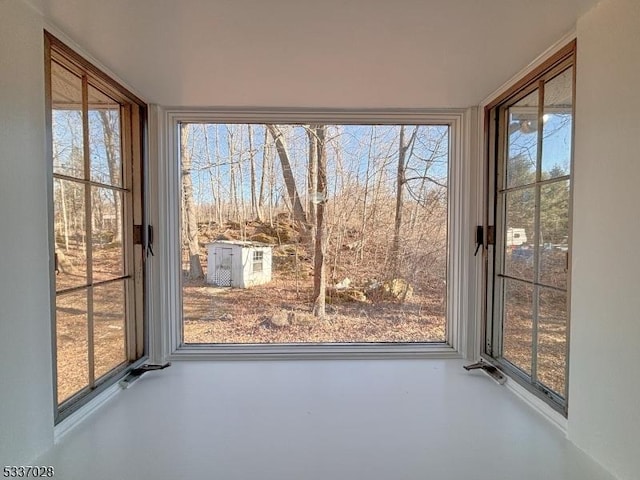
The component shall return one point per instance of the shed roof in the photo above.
(241, 243)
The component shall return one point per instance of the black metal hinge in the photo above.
(140, 239)
(480, 240)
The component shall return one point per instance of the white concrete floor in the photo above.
(308, 420)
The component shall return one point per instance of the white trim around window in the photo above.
(462, 337)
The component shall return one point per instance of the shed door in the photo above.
(223, 267)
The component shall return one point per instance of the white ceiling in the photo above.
(314, 53)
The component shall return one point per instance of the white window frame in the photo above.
(259, 261)
(461, 340)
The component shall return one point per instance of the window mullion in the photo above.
(90, 183)
(88, 228)
(536, 227)
(499, 252)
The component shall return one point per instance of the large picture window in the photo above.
(353, 220)
(95, 134)
(364, 206)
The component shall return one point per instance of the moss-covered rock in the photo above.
(263, 238)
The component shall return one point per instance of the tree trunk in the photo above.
(65, 217)
(263, 173)
(312, 186)
(218, 181)
(272, 187)
(289, 180)
(400, 182)
(252, 167)
(190, 219)
(319, 276)
(112, 147)
(241, 205)
(313, 174)
(212, 180)
(365, 197)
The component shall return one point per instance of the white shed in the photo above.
(235, 263)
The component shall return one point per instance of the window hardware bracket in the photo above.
(490, 370)
(479, 238)
(136, 373)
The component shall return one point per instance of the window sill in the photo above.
(77, 417)
(539, 405)
(315, 351)
(95, 400)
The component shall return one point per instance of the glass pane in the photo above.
(66, 117)
(552, 339)
(70, 233)
(104, 138)
(72, 343)
(519, 233)
(518, 324)
(237, 229)
(557, 123)
(108, 251)
(109, 335)
(554, 231)
(522, 151)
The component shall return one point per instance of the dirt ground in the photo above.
(279, 312)
(226, 315)
(72, 330)
(552, 330)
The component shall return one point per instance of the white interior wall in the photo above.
(26, 412)
(604, 396)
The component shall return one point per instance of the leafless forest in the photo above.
(357, 219)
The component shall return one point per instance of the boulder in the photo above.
(345, 295)
(279, 320)
(263, 238)
(398, 289)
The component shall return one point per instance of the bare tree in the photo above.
(111, 136)
(235, 211)
(319, 276)
(65, 216)
(252, 167)
(400, 182)
(312, 178)
(365, 196)
(241, 210)
(214, 179)
(287, 173)
(190, 217)
(263, 173)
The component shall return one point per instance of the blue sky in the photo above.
(350, 148)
